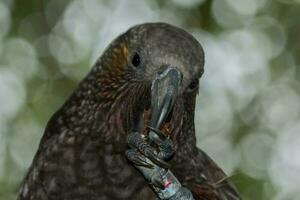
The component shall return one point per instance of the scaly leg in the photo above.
(162, 180)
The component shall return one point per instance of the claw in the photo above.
(138, 159)
(136, 141)
(155, 159)
(165, 145)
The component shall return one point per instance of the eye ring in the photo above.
(136, 60)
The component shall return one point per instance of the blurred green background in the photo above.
(248, 109)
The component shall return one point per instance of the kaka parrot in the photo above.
(127, 131)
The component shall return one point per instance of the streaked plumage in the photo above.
(82, 153)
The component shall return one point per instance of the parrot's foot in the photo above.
(148, 168)
(155, 170)
(165, 145)
(138, 143)
(137, 158)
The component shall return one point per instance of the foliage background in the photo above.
(248, 109)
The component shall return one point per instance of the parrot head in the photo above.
(152, 68)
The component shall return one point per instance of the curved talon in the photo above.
(137, 159)
(136, 141)
(156, 160)
(165, 145)
(160, 135)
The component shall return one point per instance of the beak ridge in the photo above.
(164, 91)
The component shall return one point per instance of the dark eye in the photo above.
(136, 60)
(194, 84)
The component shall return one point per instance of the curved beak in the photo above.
(164, 91)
